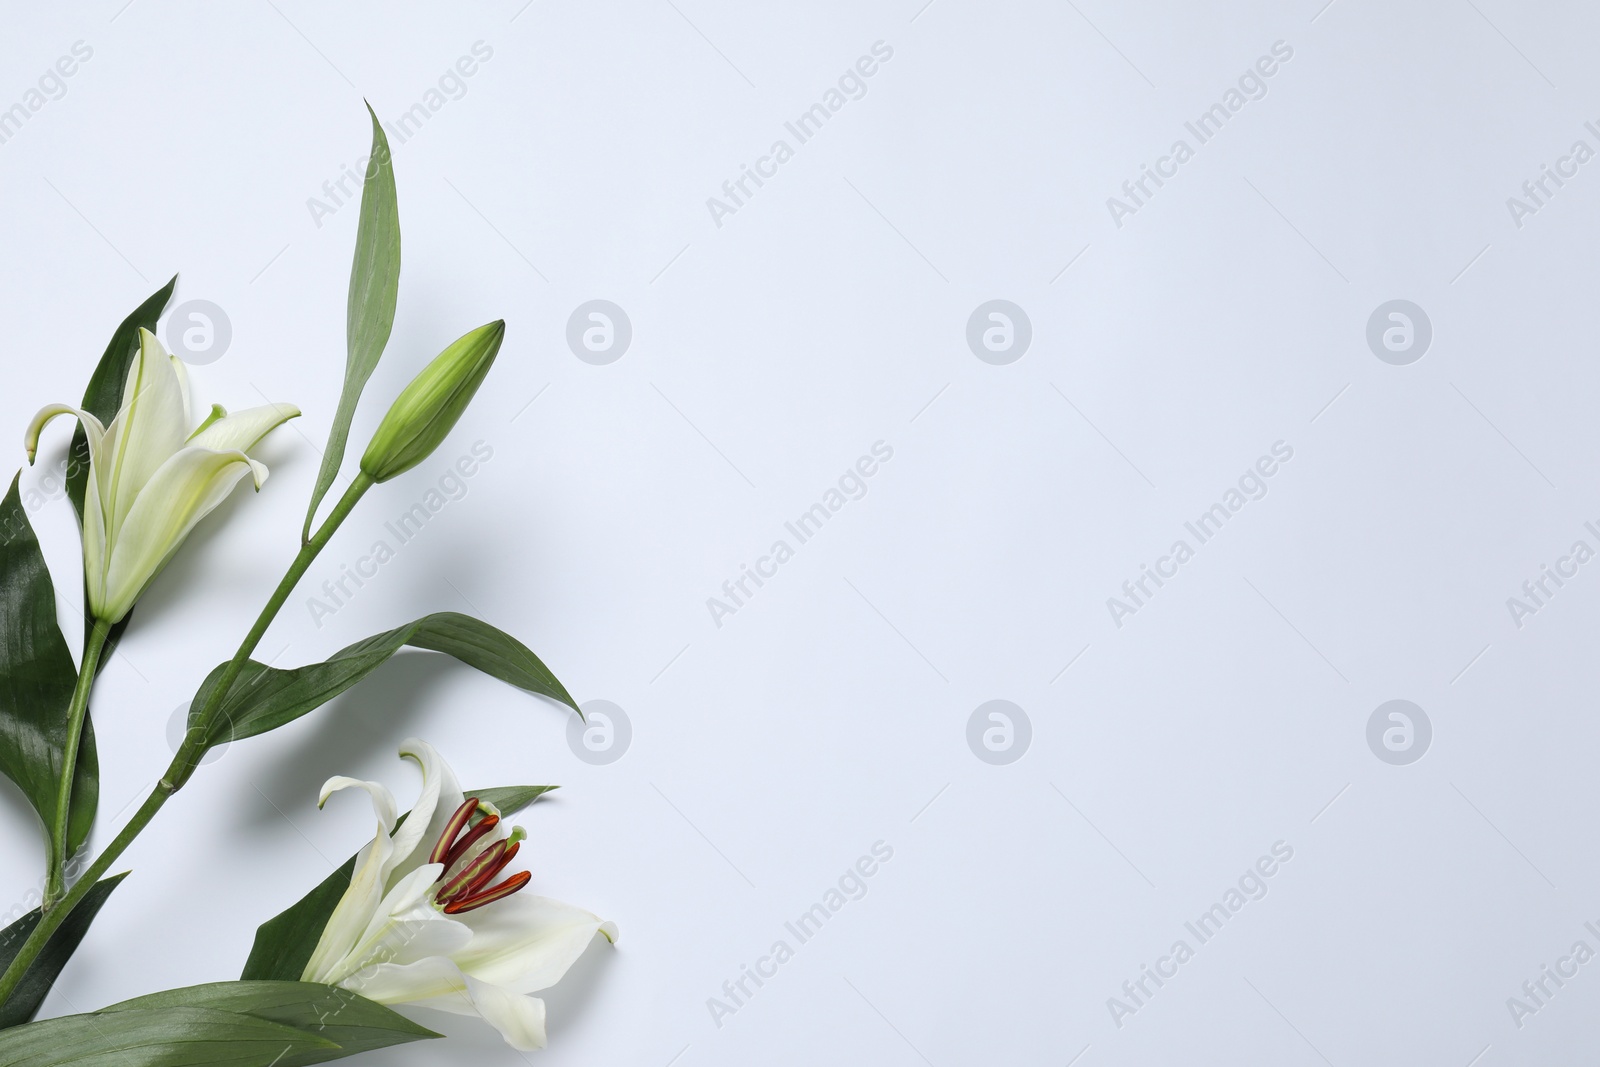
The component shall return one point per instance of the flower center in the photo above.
(471, 887)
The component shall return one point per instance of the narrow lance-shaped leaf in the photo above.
(223, 1024)
(352, 1022)
(265, 698)
(42, 973)
(284, 943)
(369, 315)
(102, 399)
(37, 677)
(161, 1037)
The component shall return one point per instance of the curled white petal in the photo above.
(243, 429)
(438, 801)
(383, 805)
(92, 429)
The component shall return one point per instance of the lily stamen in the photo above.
(468, 839)
(479, 872)
(457, 823)
(489, 896)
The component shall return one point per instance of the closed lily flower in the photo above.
(152, 477)
(432, 919)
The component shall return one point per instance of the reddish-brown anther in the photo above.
(457, 823)
(492, 873)
(489, 896)
(470, 838)
(486, 862)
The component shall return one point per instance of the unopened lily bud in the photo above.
(427, 410)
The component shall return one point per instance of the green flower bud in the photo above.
(427, 410)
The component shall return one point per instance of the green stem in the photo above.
(195, 743)
(93, 645)
(189, 753)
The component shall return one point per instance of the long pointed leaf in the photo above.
(352, 1022)
(265, 698)
(46, 967)
(369, 316)
(37, 677)
(160, 1037)
(284, 943)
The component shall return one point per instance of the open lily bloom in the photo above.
(429, 920)
(150, 478)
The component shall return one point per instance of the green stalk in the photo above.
(93, 645)
(201, 728)
(189, 753)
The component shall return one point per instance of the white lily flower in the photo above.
(150, 478)
(425, 923)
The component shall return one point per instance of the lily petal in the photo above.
(440, 797)
(94, 527)
(526, 943)
(182, 371)
(92, 428)
(243, 430)
(383, 805)
(406, 927)
(355, 909)
(520, 1019)
(182, 492)
(437, 983)
(148, 429)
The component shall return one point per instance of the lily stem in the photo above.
(189, 753)
(94, 644)
(199, 736)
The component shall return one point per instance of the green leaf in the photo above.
(265, 698)
(284, 943)
(352, 1022)
(223, 1024)
(369, 315)
(37, 677)
(508, 800)
(161, 1037)
(42, 973)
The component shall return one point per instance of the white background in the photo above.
(829, 313)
